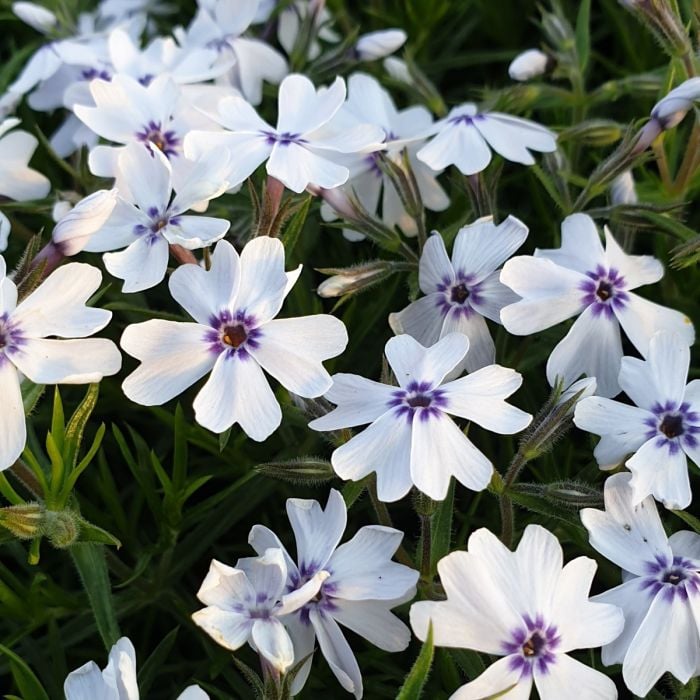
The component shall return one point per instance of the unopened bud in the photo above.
(61, 527)
(376, 45)
(24, 521)
(305, 470)
(72, 233)
(569, 494)
(398, 69)
(622, 189)
(594, 132)
(351, 280)
(35, 16)
(671, 110)
(529, 64)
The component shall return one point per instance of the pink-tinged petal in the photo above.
(422, 319)
(337, 652)
(13, 428)
(373, 620)
(626, 534)
(237, 392)
(435, 268)
(668, 360)
(460, 145)
(602, 416)
(637, 270)
(581, 248)
(174, 356)
(641, 318)
(296, 167)
(141, 265)
(479, 397)
(661, 472)
(580, 623)
(317, 531)
(482, 351)
(482, 246)
(193, 232)
(539, 551)
(297, 366)
(363, 570)
(87, 682)
(203, 293)
(592, 347)
(412, 362)
(502, 680)
(439, 450)
(149, 177)
(263, 280)
(229, 629)
(567, 677)
(384, 447)
(273, 643)
(551, 294)
(303, 109)
(667, 640)
(50, 361)
(359, 401)
(57, 306)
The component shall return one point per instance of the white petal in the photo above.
(193, 232)
(119, 230)
(203, 293)
(482, 351)
(229, 629)
(439, 450)
(57, 306)
(296, 167)
(297, 366)
(551, 294)
(435, 267)
(193, 692)
(511, 137)
(539, 558)
(302, 108)
(580, 623)
(482, 246)
(384, 447)
(363, 138)
(661, 473)
(500, 680)
(224, 587)
(581, 247)
(602, 416)
(636, 381)
(460, 145)
(362, 568)
(592, 347)
(337, 652)
(629, 535)
(237, 392)
(299, 597)
(273, 642)
(492, 296)
(317, 531)
(479, 397)
(373, 620)
(359, 401)
(411, 362)
(89, 215)
(669, 359)
(422, 319)
(18, 181)
(256, 61)
(641, 318)
(49, 361)
(13, 429)
(261, 538)
(121, 669)
(667, 640)
(569, 678)
(174, 356)
(304, 639)
(148, 174)
(267, 575)
(142, 265)
(637, 270)
(685, 543)
(86, 683)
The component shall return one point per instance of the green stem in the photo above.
(690, 161)
(384, 518)
(426, 527)
(506, 504)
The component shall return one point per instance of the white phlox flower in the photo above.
(156, 115)
(300, 150)
(362, 584)
(44, 338)
(148, 218)
(117, 681)
(247, 603)
(662, 429)
(462, 292)
(594, 283)
(412, 440)
(235, 336)
(220, 26)
(526, 607)
(466, 137)
(293, 16)
(376, 45)
(17, 180)
(528, 64)
(368, 102)
(660, 593)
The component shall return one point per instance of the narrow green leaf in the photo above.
(89, 559)
(583, 34)
(544, 506)
(180, 449)
(58, 421)
(412, 687)
(92, 533)
(153, 665)
(24, 677)
(224, 438)
(293, 230)
(85, 461)
(352, 491)
(76, 425)
(688, 519)
(441, 534)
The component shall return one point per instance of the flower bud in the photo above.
(35, 16)
(61, 527)
(306, 470)
(622, 189)
(528, 64)
(24, 521)
(354, 279)
(670, 110)
(376, 45)
(72, 233)
(398, 69)
(4, 231)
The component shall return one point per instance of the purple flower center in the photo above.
(283, 139)
(92, 73)
(459, 295)
(165, 140)
(233, 333)
(533, 643)
(673, 426)
(604, 290)
(676, 578)
(465, 119)
(418, 398)
(11, 337)
(234, 336)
